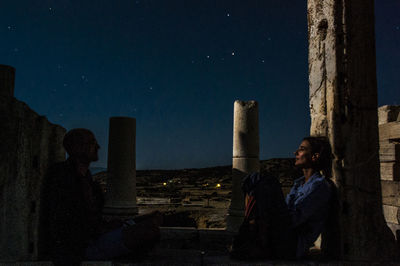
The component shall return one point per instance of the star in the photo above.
(228, 15)
(398, 28)
(16, 49)
(262, 60)
(208, 56)
(233, 53)
(151, 88)
(65, 84)
(50, 9)
(9, 27)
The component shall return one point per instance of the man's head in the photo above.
(81, 144)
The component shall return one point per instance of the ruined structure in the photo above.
(389, 156)
(121, 182)
(343, 105)
(29, 144)
(245, 156)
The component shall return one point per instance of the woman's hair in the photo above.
(321, 145)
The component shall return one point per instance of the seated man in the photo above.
(279, 228)
(72, 211)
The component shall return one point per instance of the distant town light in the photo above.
(164, 184)
(218, 186)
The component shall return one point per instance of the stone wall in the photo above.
(29, 144)
(389, 155)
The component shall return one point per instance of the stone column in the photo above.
(7, 77)
(245, 156)
(343, 106)
(121, 180)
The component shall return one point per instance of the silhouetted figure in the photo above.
(72, 211)
(276, 228)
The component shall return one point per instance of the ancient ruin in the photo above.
(245, 156)
(121, 182)
(29, 145)
(343, 106)
(389, 156)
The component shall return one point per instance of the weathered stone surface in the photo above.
(390, 192)
(7, 80)
(391, 214)
(245, 130)
(121, 183)
(388, 113)
(245, 156)
(29, 145)
(389, 131)
(389, 152)
(390, 171)
(343, 107)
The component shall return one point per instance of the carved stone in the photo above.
(343, 107)
(29, 145)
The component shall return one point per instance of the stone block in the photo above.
(390, 171)
(389, 131)
(388, 113)
(389, 151)
(29, 145)
(390, 192)
(391, 214)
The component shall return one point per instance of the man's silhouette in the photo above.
(72, 211)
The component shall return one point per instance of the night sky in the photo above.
(177, 67)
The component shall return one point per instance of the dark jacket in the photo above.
(71, 213)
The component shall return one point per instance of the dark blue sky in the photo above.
(177, 67)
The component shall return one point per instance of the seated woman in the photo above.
(275, 228)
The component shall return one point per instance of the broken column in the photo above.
(343, 106)
(121, 180)
(7, 77)
(245, 156)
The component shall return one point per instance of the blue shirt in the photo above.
(308, 204)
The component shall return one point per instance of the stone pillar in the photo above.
(121, 181)
(7, 77)
(245, 156)
(343, 106)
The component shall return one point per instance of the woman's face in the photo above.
(304, 156)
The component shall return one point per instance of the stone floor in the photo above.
(191, 246)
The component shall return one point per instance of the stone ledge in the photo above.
(390, 171)
(389, 131)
